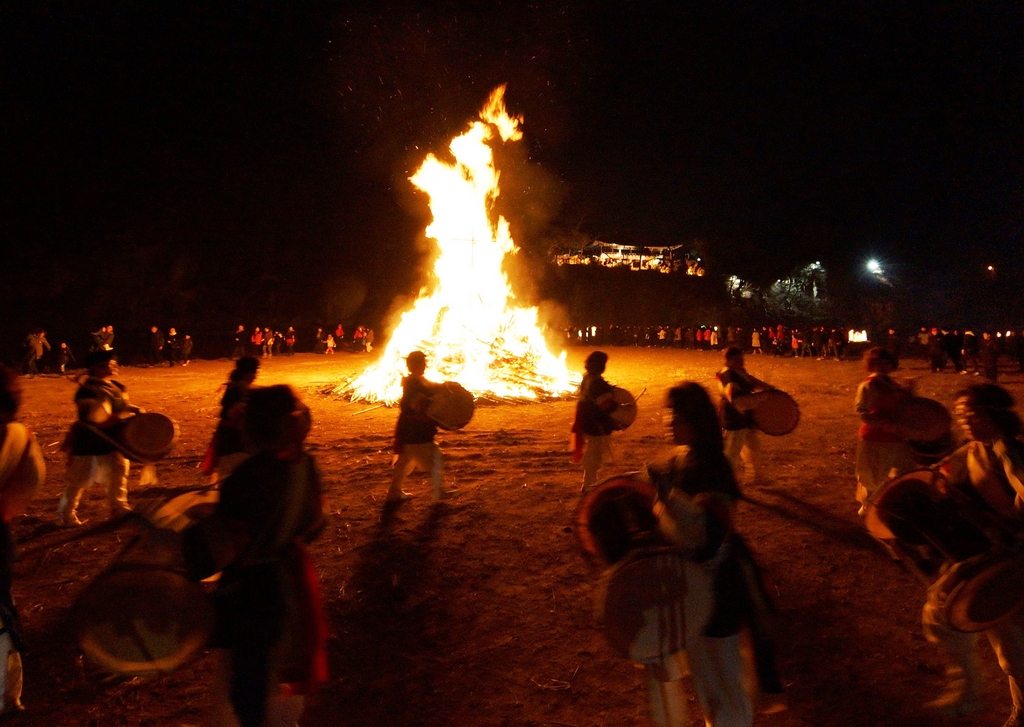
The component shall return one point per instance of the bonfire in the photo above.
(466, 319)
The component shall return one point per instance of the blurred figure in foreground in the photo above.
(990, 467)
(269, 612)
(22, 471)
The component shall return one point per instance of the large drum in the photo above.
(649, 597)
(924, 420)
(615, 516)
(937, 530)
(142, 616)
(979, 592)
(186, 509)
(777, 413)
(451, 406)
(642, 604)
(624, 414)
(147, 437)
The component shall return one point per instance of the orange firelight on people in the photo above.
(467, 319)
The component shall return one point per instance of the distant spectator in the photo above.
(156, 346)
(173, 347)
(37, 346)
(65, 358)
(238, 343)
(186, 350)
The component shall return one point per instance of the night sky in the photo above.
(217, 149)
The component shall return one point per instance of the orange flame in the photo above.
(469, 325)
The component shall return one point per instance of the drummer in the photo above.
(882, 450)
(737, 386)
(228, 450)
(22, 471)
(697, 494)
(991, 464)
(414, 433)
(103, 407)
(592, 426)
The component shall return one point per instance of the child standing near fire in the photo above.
(414, 434)
(593, 426)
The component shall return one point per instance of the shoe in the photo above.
(395, 499)
(68, 520)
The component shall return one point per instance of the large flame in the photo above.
(467, 321)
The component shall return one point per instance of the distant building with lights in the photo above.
(662, 259)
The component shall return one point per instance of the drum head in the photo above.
(625, 413)
(451, 406)
(142, 620)
(181, 511)
(615, 516)
(907, 509)
(924, 420)
(982, 591)
(148, 437)
(777, 414)
(644, 605)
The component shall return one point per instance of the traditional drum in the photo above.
(909, 510)
(147, 437)
(615, 516)
(142, 616)
(451, 406)
(976, 593)
(642, 604)
(624, 414)
(179, 512)
(924, 420)
(777, 413)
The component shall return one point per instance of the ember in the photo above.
(467, 320)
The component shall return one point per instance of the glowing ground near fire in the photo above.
(478, 612)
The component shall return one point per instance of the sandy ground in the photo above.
(478, 610)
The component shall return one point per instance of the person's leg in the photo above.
(113, 469)
(1007, 639)
(436, 468)
(79, 475)
(593, 458)
(961, 695)
(719, 680)
(734, 440)
(404, 464)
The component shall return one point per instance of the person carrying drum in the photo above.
(228, 448)
(102, 405)
(990, 466)
(697, 493)
(593, 425)
(882, 450)
(414, 433)
(22, 471)
(269, 624)
(742, 445)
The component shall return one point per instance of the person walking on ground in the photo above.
(156, 346)
(742, 446)
(102, 405)
(882, 449)
(592, 426)
(414, 433)
(37, 346)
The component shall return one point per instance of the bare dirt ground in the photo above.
(478, 610)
